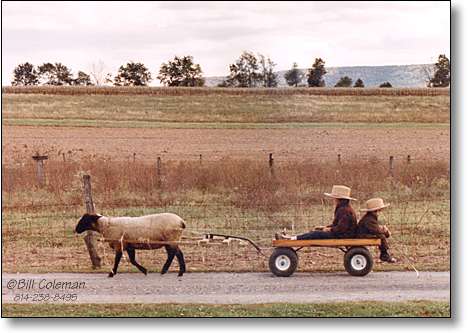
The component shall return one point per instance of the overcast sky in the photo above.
(215, 33)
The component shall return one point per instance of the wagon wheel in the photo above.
(358, 261)
(283, 261)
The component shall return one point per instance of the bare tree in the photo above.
(98, 73)
(428, 72)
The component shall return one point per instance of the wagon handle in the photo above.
(210, 236)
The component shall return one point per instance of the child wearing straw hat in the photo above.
(369, 226)
(344, 223)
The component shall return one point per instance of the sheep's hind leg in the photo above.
(171, 252)
(181, 260)
(131, 256)
(118, 256)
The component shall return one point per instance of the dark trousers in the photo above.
(383, 247)
(318, 234)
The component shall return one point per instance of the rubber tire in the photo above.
(358, 251)
(286, 251)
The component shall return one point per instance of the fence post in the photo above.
(270, 163)
(40, 168)
(90, 238)
(10, 183)
(134, 157)
(408, 159)
(339, 159)
(390, 166)
(201, 159)
(158, 171)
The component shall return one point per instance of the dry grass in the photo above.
(44, 242)
(344, 309)
(244, 183)
(184, 91)
(246, 108)
(229, 196)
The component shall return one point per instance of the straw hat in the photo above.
(374, 204)
(340, 192)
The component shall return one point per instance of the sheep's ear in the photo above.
(84, 223)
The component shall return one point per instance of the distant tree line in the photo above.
(55, 74)
(248, 71)
(251, 71)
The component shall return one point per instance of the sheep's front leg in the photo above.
(131, 256)
(118, 256)
(171, 252)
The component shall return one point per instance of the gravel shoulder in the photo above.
(232, 288)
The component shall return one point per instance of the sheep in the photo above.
(132, 233)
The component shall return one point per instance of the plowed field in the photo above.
(289, 143)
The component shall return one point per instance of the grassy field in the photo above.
(38, 242)
(349, 309)
(233, 195)
(223, 110)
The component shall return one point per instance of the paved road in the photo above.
(228, 288)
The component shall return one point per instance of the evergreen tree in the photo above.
(442, 73)
(294, 76)
(385, 85)
(344, 82)
(316, 73)
(359, 83)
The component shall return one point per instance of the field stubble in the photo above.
(240, 197)
(223, 109)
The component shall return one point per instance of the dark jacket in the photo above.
(369, 225)
(345, 222)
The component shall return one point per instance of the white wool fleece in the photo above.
(155, 227)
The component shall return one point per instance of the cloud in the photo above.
(215, 33)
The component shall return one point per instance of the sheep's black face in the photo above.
(87, 222)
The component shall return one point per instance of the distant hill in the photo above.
(404, 76)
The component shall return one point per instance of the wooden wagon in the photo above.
(283, 261)
(357, 258)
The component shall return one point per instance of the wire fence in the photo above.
(46, 241)
(152, 183)
(42, 240)
(38, 168)
(43, 201)
(213, 156)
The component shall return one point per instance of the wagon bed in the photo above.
(357, 258)
(327, 242)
